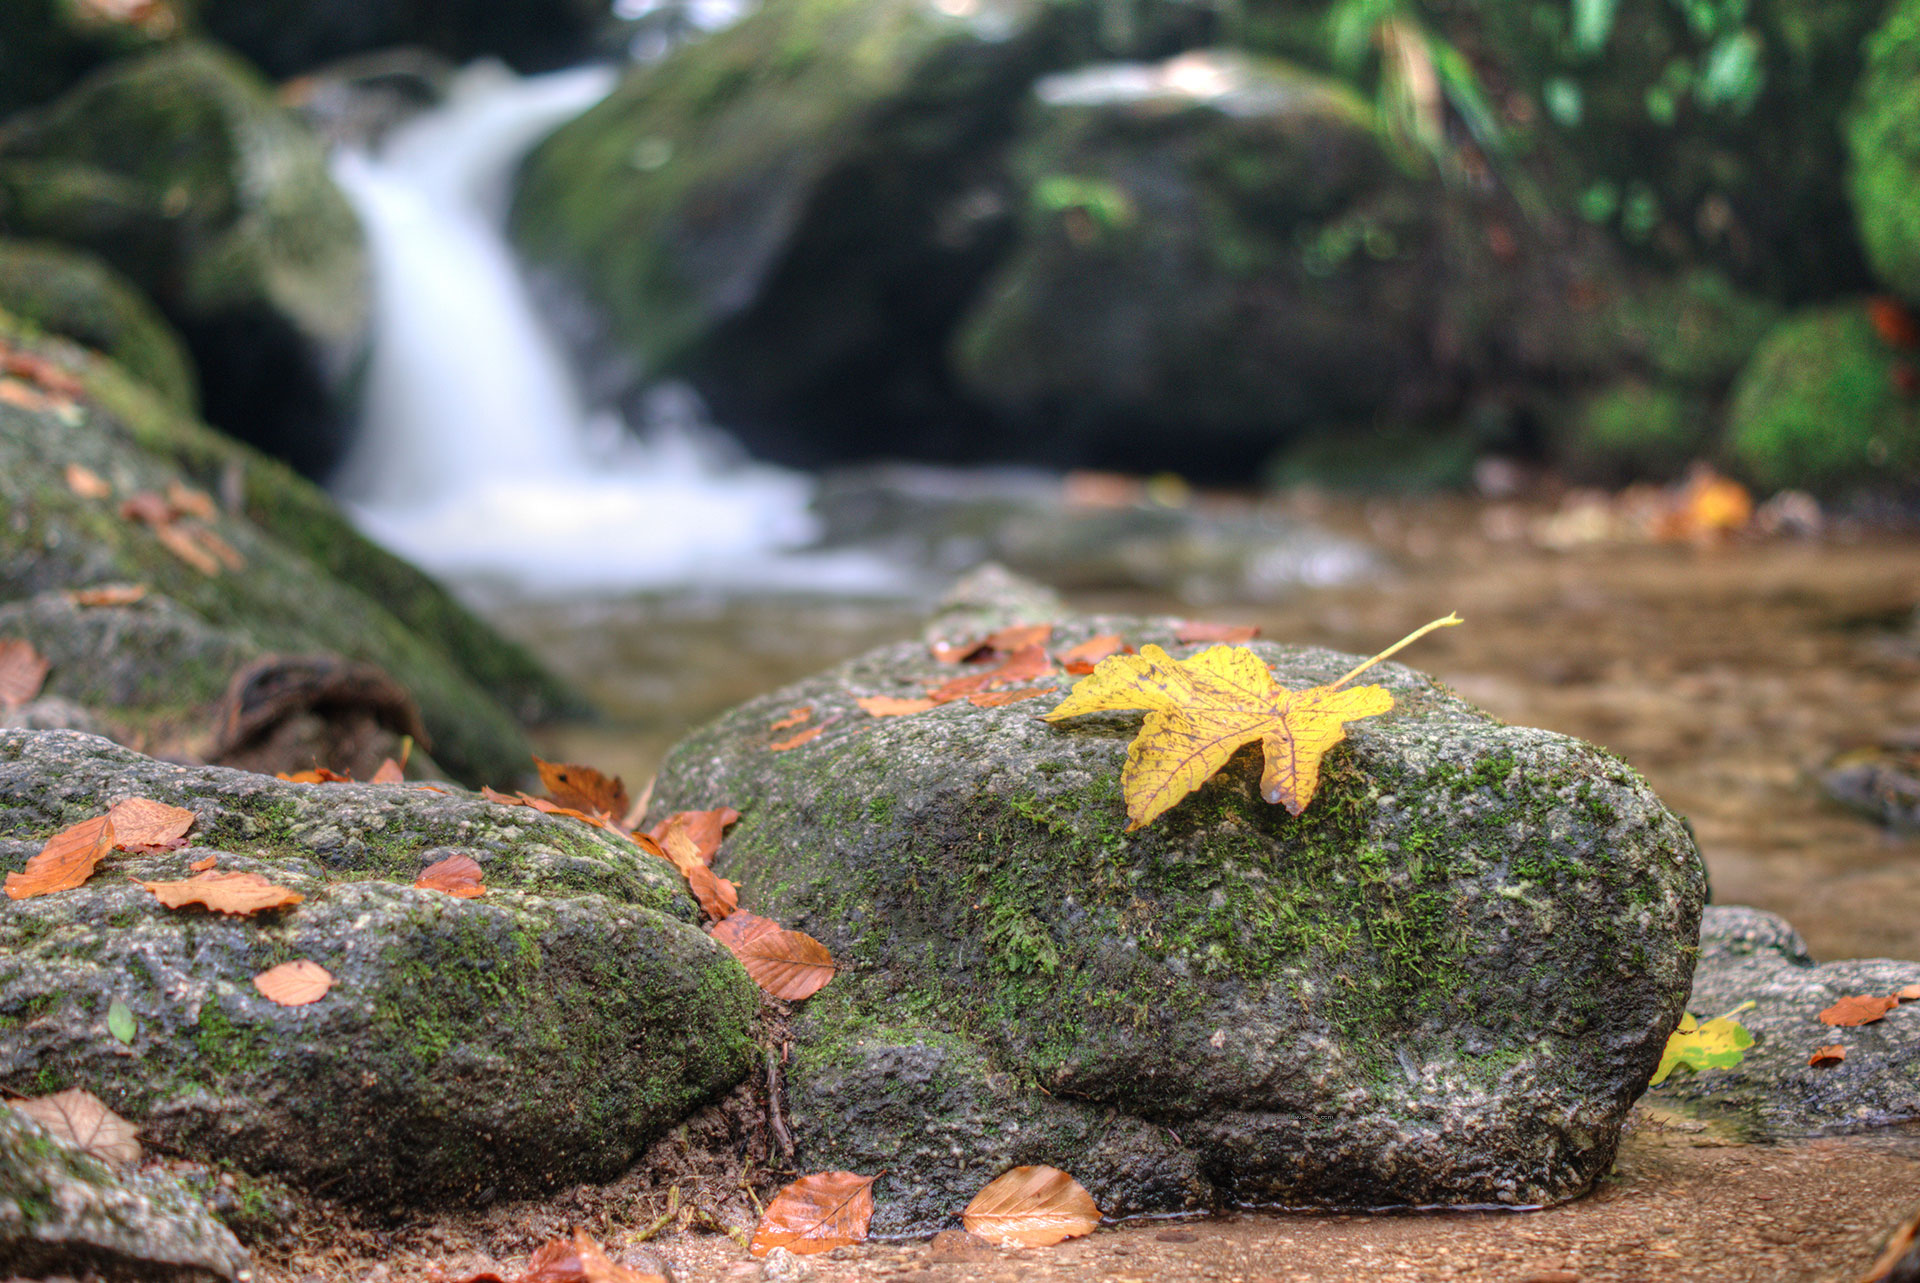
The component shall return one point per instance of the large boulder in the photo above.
(179, 169)
(1444, 983)
(52, 43)
(66, 1212)
(306, 582)
(1883, 140)
(539, 1034)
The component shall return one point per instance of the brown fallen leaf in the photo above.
(1827, 1056)
(718, 897)
(678, 848)
(1707, 505)
(1910, 993)
(140, 823)
(294, 984)
(66, 861)
(1200, 711)
(28, 398)
(1080, 660)
(1858, 1009)
(457, 875)
(998, 699)
(82, 1120)
(389, 772)
(1900, 1255)
(893, 705)
(1022, 666)
(39, 370)
(787, 964)
(740, 927)
(795, 717)
(807, 736)
(994, 645)
(87, 483)
(146, 507)
(547, 806)
(583, 788)
(816, 1213)
(1031, 1207)
(107, 595)
(318, 775)
(706, 828)
(184, 501)
(575, 1260)
(186, 545)
(240, 895)
(22, 671)
(204, 863)
(1199, 630)
(228, 555)
(958, 688)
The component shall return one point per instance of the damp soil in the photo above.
(1726, 673)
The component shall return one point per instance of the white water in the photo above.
(476, 456)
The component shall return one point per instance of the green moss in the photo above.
(227, 1051)
(1883, 142)
(1635, 431)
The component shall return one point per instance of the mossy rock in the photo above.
(70, 292)
(1444, 983)
(51, 44)
(1883, 140)
(1825, 405)
(64, 1212)
(1633, 431)
(538, 1035)
(180, 169)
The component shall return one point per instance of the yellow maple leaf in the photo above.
(1201, 711)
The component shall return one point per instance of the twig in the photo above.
(665, 1218)
(775, 1123)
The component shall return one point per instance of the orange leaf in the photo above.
(1015, 637)
(1707, 505)
(1893, 322)
(817, 1213)
(680, 850)
(108, 595)
(996, 699)
(704, 827)
(718, 897)
(1827, 1056)
(1080, 659)
(457, 875)
(143, 822)
(578, 1261)
(793, 718)
(294, 984)
(547, 806)
(1031, 1207)
(184, 501)
(66, 861)
(1022, 666)
(389, 772)
(22, 671)
(318, 775)
(1858, 1009)
(1197, 630)
(583, 788)
(183, 544)
(25, 397)
(1909, 994)
(494, 795)
(958, 688)
(787, 964)
(87, 483)
(239, 894)
(807, 736)
(204, 863)
(740, 927)
(147, 507)
(893, 705)
(40, 370)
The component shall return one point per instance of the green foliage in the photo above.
(1883, 142)
(1634, 430)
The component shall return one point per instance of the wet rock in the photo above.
(948, 520)
(307, 584)
(1881, 782)
(179, 169)
(1881, 130)
(538, 1035)
(65, 1212)
(288, 37)
(1443, 983)
(1749, 955)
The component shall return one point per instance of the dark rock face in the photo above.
(65, 1212)
(180, 170)
(1748, 955)
(540, 1034)
(1444, 983)
(287, 37)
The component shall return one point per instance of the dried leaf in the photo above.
(1909, 994)
(1828, 1056)
(1200, 711)
(718, 897)
(81, 1119)
(1031, 1207)
(1080, 660)
(239, 894)
(318, 775)
(679, 848)
(638, 811)
(25, 397)
(579, 1260)
(1199, 630)
(583, 788)
(457, 875)
(794, 718)
(893, 705)
(22, 671)
(1007, 641)
(704, 827)
(1023, 666)
(389, 772)
(740, 927)
(66, 861)
(203, 864)
(87, 483)
(999, 699)
(1858, 1009)
(1901, 1253)
(504, 799)
(787, 964)
(1707, 505)
(186, 545)
(38, 369)
(108, 595)
(816, 1213)
(1719, 1044)
(807, 736)
(146, 507)
(294, 984)
(184, 501)
(143, 822)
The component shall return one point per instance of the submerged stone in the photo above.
(540, 1034)
(1444, 983)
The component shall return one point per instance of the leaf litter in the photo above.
(82, 1119)
(816, 1213)
(1031, 1207)
(294, 984)
(23, 671)
(239, 895)
(66, 861)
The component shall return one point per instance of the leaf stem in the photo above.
(1399, 646)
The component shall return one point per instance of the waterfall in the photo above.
(477, 457)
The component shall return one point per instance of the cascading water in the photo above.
(476, 456)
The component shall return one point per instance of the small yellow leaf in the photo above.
(1719, 1044)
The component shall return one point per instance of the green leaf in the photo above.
(1719, 1044)
(1593, 24)
(120, 1021)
